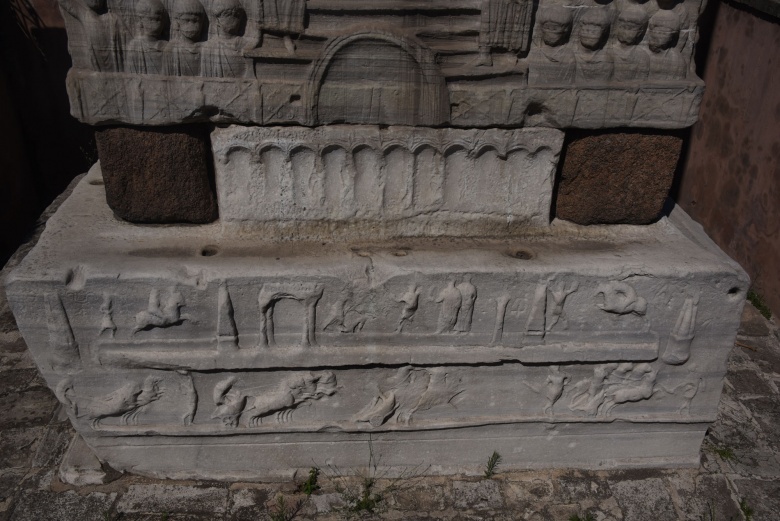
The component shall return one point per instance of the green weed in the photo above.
(758, 302)
(492, 464)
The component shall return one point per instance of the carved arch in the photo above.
(432, 107)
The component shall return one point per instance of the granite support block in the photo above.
(161, 175)
(616, 177)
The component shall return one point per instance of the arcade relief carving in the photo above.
(170, 61)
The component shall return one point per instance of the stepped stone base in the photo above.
(195, 352)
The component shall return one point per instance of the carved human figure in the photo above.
(631, 60)
(666, 62)
(221, 55)
(504, 24)
(451, 300)
(145, 51)
(107, 325)
(285, 17)
(410, 301)
(468, 293)
(593, 59)
(96, 36)
(182, 54)
(553, 60)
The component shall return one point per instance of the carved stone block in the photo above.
(616, 177)
(401, 180)
(471, 63)
(158, 175)
(192, 352)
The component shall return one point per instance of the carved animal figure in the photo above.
(230, 402)
(160, 316)
(638, 384)
(292, 392)
(411, 301)
(620, 298)
(408, 391)
(125, 402)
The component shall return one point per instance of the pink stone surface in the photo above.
(731, 183)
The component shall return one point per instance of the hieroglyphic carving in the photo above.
(504, 24)
(553, 388)
(107, 325)
(227, 333)
(559, 292)
(535, 325)
(620, 298)
(307, 294)
(160, 315)
(409, 390)
(410, 301)
(450, 299)
(62, 344)
(345, 316)
(678, 346)
(233, 404)
(191, 396)
(468, 293)
(498, 328)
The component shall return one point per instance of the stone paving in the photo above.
(739, 475)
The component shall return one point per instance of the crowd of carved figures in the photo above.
(626, 42)
(182, 39)
(620, 40)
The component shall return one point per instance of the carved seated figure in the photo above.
(145, 52)
(182, 54)
(593, 60)
(96, 39)
(221, 55)
(552, 62)
(631, 60)
(666, 62)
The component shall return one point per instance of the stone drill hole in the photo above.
(522, 254)
(97, 182)
(733, 292)
(209, 251)
(400, 253)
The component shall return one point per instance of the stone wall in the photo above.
(731, 181)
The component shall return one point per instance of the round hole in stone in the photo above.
(209, 251)
(521, 254)
(400, 253)
(733, 292)
(97, 182)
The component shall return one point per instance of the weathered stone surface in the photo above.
(357, 182)
(616, 177)
(401, 64)
(570, 339)
(157, 175)
(180, 499)
(34, 506)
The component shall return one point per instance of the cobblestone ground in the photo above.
(739, 475)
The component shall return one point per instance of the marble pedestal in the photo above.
(204, 352)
